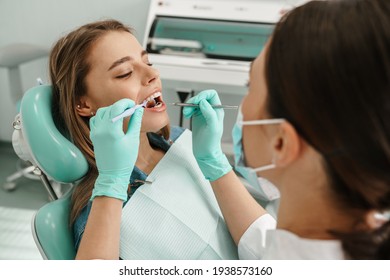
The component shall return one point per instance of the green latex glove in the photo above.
(207, 129)
(115, 151)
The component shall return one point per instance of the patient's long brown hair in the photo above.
(68, 70)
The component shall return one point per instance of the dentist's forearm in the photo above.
(102, 232)
(238, 207)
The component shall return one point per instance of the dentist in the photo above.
(315, 124)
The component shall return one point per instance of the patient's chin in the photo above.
(154, 124)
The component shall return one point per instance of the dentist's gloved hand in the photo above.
(207, 129)
(115, 151)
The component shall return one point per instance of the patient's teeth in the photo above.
(150, 100)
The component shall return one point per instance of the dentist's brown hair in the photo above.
(68, 69)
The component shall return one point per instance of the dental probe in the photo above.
(196, 105)
(129, 111)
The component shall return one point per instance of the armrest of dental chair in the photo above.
(36, 139)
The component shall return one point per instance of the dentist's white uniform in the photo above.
(263, 241)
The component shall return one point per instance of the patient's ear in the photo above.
(287, 144)
(83, 108)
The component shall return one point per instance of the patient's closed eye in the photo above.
(128, 74)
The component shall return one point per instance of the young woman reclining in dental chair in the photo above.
(98, 71)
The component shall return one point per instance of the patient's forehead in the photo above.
(112, 46)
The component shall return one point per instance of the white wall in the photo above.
(42, 22)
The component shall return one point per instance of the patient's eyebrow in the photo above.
(124, 59)
(119, 61)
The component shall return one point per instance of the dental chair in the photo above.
(55, 159)
(51, 232)
(12, 58)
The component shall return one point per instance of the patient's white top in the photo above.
(263, 241)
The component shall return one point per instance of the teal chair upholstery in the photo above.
(51, 231)
(36, 139)
(42, 144)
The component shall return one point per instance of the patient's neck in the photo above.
(148, 157)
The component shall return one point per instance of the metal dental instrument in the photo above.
(129, 111)
(195, 105)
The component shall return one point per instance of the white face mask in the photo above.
(265, 189)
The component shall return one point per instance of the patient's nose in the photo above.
(151, 75)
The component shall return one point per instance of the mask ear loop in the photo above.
(266, 167)
(264, 122)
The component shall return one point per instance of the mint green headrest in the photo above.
(54, 154)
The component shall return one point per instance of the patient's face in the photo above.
(120, 69)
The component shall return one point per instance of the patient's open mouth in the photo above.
(154, 101)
